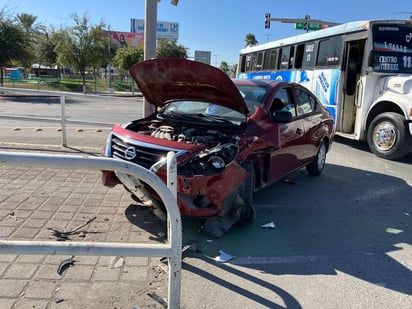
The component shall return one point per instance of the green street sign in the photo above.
(301, 26)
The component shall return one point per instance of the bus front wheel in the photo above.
(388, 136)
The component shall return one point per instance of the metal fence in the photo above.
(171, 250)
(62, 120)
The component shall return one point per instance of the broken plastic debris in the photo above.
(160, 300)
(223, 257)
(12, 215)
(65, 264)
(64, 235)
(116, 262)
(269, 225)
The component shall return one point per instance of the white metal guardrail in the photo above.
(63, 121)
(171, 250)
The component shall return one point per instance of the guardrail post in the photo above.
(172, 250)
(63, 119)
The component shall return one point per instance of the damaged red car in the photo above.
(231, 138)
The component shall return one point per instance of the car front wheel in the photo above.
(388, 136)
(316, 166)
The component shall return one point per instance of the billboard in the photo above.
(123, 39)
(165, 29)
(203, 56)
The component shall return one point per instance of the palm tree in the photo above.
(250, 39)
(34, 32)
(28, 23)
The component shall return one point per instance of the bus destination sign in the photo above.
(391, 62)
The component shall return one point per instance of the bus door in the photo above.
(350, 77)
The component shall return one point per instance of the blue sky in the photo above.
(219, 26)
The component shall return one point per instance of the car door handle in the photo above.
(299, 131)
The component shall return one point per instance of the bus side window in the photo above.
(270, 60)
(284, 58)
(309, 55)
(299, 56)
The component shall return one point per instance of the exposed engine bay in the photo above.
(196, 135)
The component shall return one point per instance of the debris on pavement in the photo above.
(161, 301)
(223, 257)
(289, 182)
(185, 249)
(65, 264)
(269, 225)
(117, 261)
(12, 215)
(64, 235)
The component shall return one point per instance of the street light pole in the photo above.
(150, 24)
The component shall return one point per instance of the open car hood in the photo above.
(169, 79)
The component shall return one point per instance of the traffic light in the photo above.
(306, 25)
(267, 21)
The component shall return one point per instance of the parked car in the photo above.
(231, 138)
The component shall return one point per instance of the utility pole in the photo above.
(149, 50)
(150, 25)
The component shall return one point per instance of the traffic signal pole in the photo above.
(306, 21)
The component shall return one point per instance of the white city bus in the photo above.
(361, 71)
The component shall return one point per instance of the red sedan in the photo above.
(231, 138)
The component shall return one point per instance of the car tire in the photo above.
(216, 227)
(315, 167)
(388, 136)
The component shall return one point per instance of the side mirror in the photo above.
(283, 116)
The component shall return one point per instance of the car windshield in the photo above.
(205, 111)
(253, 95)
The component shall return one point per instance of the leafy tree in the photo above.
(100, 49)
(45, 53)
(168, 48)
(224, 66)
(126, 57)
(250, 39)
(75, 45)
(12, 45)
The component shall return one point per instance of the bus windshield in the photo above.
(392, 48)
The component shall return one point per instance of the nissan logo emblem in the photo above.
(130, 153)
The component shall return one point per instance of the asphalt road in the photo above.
(341, 240)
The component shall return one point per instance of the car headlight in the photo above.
(210, 161)
(217, 162)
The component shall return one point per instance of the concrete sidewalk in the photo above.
(35, 200)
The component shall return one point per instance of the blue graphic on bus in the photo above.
(322, 83)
